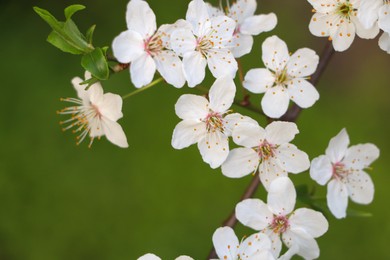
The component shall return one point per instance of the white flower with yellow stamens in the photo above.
(94, 114)
(284, 78)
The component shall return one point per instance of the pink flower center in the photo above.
(153, 45)
(280, 224)
(203, 45)
(266, 150)
(339, 170)
(214, 122)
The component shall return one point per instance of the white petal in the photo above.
(194, 65)
(242, 44)
(214, 11)
(302, 63)
(384, 18)
(95, 93)
(256, 247)
(343, 35)
(292, 159)
(242, 9)
(323, 6)
(197, 15)
(281, 196)
(313, 222)
(142, 70)
(275, 53)
(384, 42)
(111, 106)
(140, 18)
(275, 101)
(222, 30)
(319, 24)
(184, 257)
(165, 32)
(221, 63)
(302, 92)
(258, 80)
(248, 135)
(337, 198)
(183, 41)
(214, 148)
(80, 89)
(254, 213)
(171, 68)
(307, 245)
(321, 169)
(270, 170)
(368, 12)
(187, 132)
(225, 243)
(114, 133)
(128, 46)
(365, 33)
(221, 94)
(240, 162)
(360, 187)
(360, 156)
(337, 147)
(293, 250)
(193, 107)
(276, 242)
(234, 120)
(279, 132)
(257, 24)
(149, 257)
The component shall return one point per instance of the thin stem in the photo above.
(241, 77)
(143, 89)
(291, 115)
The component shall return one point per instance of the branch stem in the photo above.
(135, 92)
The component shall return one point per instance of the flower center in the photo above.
(214, 122)
(266, 150)
(279, 224)
(203, 45)
(339, 171)
(153, 45)
(281, 77)
(345, 9)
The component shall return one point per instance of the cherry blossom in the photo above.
(147, 49)
(343, 169)
(298, 228)
(337, 19)
(284, 78)
(208, 123)
(204, 42)
(247, 24)
(266, 150)
(94, 113)
(154, 257)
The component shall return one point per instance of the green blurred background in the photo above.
(62, 201)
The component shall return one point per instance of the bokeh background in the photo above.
(62, 201)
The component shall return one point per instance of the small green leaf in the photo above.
(105, 49)
(71, 30)
(89, 82)
(63, 44)
(49, 18)
(357, 213)
(96, 63)
(89, 34)
(70, 10)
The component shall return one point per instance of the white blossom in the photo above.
(208, 123)
(247, 24)
(204, 42)
(284, 78)
(94, 113)
(337, 19)
(154, 257)
(147, 49)
(343, 169)
(267, 150)
(298, 228)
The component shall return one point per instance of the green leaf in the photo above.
(89, 82)
(89, 34)
(357, 213)
(96, 63)
(70, 28)
(49, 18)
(70, 10)
(63, 44)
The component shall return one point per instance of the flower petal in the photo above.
(360, 156)
(258, 80)
(275, 101)
(240, 162)
(384, 18)
(365, 33)
(128, 46)
(221, 63)
(292, 159)
(337, 198)
(384, 42)
(257, 24)
(184, 257)
(279, 132)
(360, 187)
(248, 135)
(222, 30)
(281, 196)
(194, 65)
(241, 45)
(190, 106)
(319, 24)
(343, 35)
(368, 12)
(256, 247)
(302, 92)
(254, 213)
(234, 120)
(337, 147)
(197, 15)
(225, 243)
(114, 133)
(214, 148)
(187, 132)
(80, 89)
(242, 9)
(165, 32)
(111, 106)
(149, 257)
(313, 222)
(270, 170)
(214, 11)
(171, 68)
(321, 169)
(95, 93)
(275, 53)
(221, 94)
(140, 18)
(276, 243)
(142, 70)
(183, 41)
(302, 63)
(307, 245)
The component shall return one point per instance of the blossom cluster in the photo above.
(215, 38)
